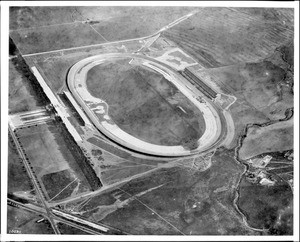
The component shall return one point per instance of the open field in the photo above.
(119, 173)
(24, 222)
(264, 14)
(262, 89)
(178, 200)
(258, 85)
(55, 66)
(136, 22)
(123, 154)
(55, 38)
(66, 229)
(34, 17)
(64, 27)
(264, 206)
(64, 179)
(216, 36)
(23, 96)
(242, 114)
(140, 221)
(50, 155)
(18, 180)
(144, 104)
(271, 138)
(114, 164)
(54, 70)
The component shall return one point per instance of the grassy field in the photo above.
(34, 17)
(52, 157)
(258, 85)
(144, 104)
(140, 221)
(55, 38)
(194, 202)
(262, 206)
(216, 36)
(119, 173)
(264, 14)
(262, 89)
(115, 164)
(54, 66)
(18, 179)
(135, 22)
(63, 27)
(55, 69)
(22, 96)
(275, 137)
(270, 207)
(173, 201)
(65, 179)
(25, 222)
(121, 154)
(66, 229)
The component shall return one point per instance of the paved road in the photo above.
(42, 211)
(33, 179)
(46, 211)
(30, 207)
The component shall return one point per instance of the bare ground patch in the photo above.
(275, 137)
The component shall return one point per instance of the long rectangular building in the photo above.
(57, 106)
(78, 108)
(199, 84)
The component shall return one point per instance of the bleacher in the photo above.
(198, 83)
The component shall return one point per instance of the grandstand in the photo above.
(198, 83)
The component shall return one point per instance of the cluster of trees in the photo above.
(29, 79)
(12, 48)
(82, 161)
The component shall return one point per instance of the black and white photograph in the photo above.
(141, 119)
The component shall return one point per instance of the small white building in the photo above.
(266, 182)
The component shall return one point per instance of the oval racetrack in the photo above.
(77, 85)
